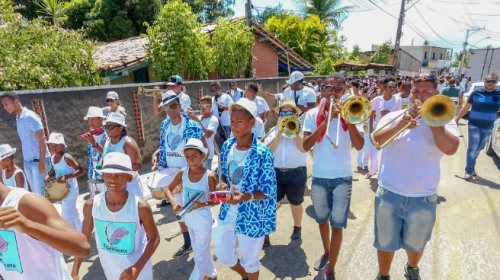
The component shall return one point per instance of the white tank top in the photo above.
(11, 182)
(25, 258)
(200, 216)
(62, 168)
(120, 237)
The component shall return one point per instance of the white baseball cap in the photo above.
(247, 104)
(6, 151)
(115, 163)
(94, 112)
(56, 138)
(117, 118)
(194, 143)
(295, 77)
(167, 97)
(112, 95)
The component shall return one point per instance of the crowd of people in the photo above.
(255, 171)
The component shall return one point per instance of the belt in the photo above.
(36, 160)
(290, 169)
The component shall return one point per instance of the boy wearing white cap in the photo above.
(247, 167)
(195, 179)
(12, 175)
(125, 231)
(96, 138)
(65, 169)
(114, 104)
(304, 97)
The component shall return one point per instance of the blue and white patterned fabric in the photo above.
(192, 130)
(93, 155)
(255, 218)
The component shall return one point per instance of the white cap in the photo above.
(167, 97)
(194, 143)
(56, 138)
(117, 118)
(117, 163)
(112, 95)
(94, 112)
(248, 105)
(295, 77)
(6, 151)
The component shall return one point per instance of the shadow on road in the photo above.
(95, 271)
(286, 261)
(178, 268)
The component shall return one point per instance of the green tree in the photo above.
(457, 58)
(76, 12)
(232, 44)
(327, 10)
(27, 8)
(211, 10)
(52, 10)
(382, 54)
(325, 67)
(355, 55)
(176, 45)
(111, 20)
(35, 55)
(268, 12)
(7, 13)
(308, 37)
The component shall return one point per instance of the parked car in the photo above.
(493, 144)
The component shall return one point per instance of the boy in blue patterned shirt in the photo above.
(247, 166)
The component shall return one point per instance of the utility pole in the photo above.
(462, 61)
(248, 12)
(399, 33)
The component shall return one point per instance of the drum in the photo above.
(160, 180)
(219, 196)
(56, 191)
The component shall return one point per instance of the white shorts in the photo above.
(227, 242)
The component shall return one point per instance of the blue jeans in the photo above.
(331, 200)
(477, 140)
(36, 179)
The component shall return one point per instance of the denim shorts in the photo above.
(331, 200)
(403, 222)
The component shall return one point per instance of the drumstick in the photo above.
(169, 238)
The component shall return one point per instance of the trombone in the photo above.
(142, 89)
(289, 127)
(436, 111)
(353, 109)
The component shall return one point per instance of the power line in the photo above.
(432, 29)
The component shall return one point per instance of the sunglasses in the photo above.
(172, 106)
(203, 106)
(490, 81)
(111, 127)
(110, 100)
(286, 113)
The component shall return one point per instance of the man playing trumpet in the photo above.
(405, 202)
(289, 160)
(332, 169)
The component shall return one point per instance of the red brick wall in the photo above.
(265, 60)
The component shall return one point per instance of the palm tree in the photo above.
(327, 10)
(52, 9)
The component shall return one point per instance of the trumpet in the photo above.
(288, 127)
(142, 89)
(436, 111)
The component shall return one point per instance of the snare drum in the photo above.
(56, 191)
(219, 196)
(160, 180)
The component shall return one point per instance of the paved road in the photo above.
(465, 242)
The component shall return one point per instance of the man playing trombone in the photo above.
(332, 168)
(285, 141)
(405, 202)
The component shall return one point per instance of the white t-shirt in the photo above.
(185, 101)
(410, 164)
(379, 103)
(236, 165)
(175, 144)
(405, 101)
(211, 124)
(261, 103)
(302, 96)
(225, 100)
(286, 154)
(330, 163)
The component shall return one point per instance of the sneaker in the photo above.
(329, 275)
(380, 277)
(297, 233)
(182, 251)
(321, 263)
(359, 168)
(412, 273)
(162, 203)
(474, 174)
(365, 168)
(468, 177)
(267, 242)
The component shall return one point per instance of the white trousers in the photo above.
(227, 243)
(363, 154)
(199, 223)
(371, 155)
(69, 212)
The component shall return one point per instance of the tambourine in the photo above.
(56, 191)
(219, 196)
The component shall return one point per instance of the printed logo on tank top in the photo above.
(190, 193)
(173, 141)
(116, 237)
(235, 173)
(9, 252)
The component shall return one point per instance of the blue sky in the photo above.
(442, 22)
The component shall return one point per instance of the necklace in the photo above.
(240, 160)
